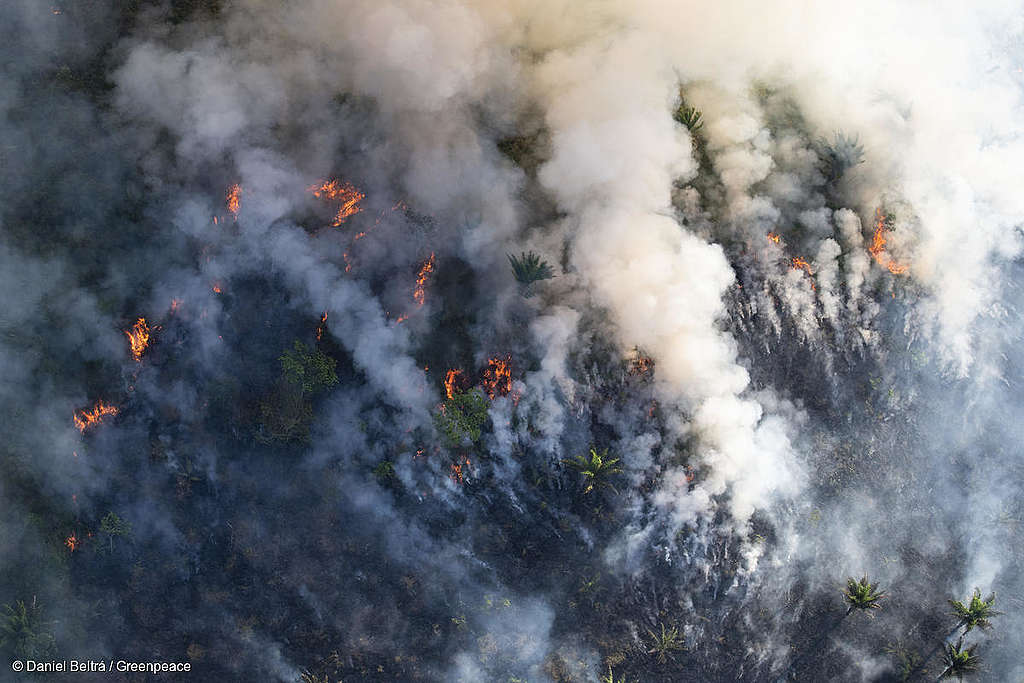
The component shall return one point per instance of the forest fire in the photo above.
(320, 327)
(216, 287)
(640, 364)
(460, 470)
(452, 381)
(419, 294)
(497, 380)
(347, 194)
(775, 237)
(877, 248)
(233, 200)
(138, 338)
(71, 542)
(799, 263)
(88, 418)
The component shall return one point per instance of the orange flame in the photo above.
(216, 288)
(175, 305)
(420, 293)
(775, 237)
(401, 318)
(88, 418)
(459, 471)
(640, 364)
(877, 248)
(138, 338)
(234, 200)
(320, 327)
(346, 193)
(497, 379)
(71, 542)
(450, 379)
(799, 263)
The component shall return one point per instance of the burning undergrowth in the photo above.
(491, 354)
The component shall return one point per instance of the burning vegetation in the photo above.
(419, 293)
(138, 338)
(799, 263)
(497, 377)
(453, 379)
(884, 224)
(233, 200)
(85, 419)
(345, 195)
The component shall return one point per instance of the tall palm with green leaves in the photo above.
(976, 612)
(862, 595)
(528, 268)
(959, 661)
(596, 468)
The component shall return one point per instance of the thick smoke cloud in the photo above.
(791, 322)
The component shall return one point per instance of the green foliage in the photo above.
(286, 415)
(959, 661)
(529, 268)
(862, 595)
(597, 469)
(976, 612)
(24, 633)
(462, 417)
(690, 117)
(666, 643)
(610, 677)
(287, 412)
(310, 369)
(909, 661)
(112, 525)
(384, 471)
(839, 156)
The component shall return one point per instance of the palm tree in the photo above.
(664, 644)
(690, 117)
(862, 595)
(610, 677)
(596, 469)
(24, 632)
(529, 268)
(959, 661)
(977, 612)
(839, 156)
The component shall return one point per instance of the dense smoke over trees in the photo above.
(512, 341)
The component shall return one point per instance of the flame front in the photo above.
(497, 379)
(347, 194)
(88, 418)
(775, 237)
(799, 263)
(138, 338)
(420, 293)
(451, 379)
(320, 327)
(877, 248)
(234, 200)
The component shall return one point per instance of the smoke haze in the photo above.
(784, 247)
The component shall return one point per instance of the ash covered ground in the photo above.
(512, 341)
